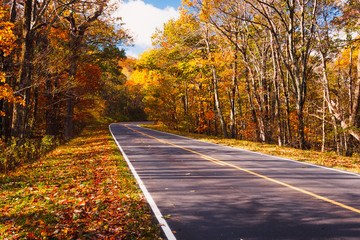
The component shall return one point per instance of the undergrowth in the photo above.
(14, 155)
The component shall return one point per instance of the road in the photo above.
(209, 191)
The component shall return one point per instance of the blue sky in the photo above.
(143, 17)
(163, 3)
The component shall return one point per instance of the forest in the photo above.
(284, 72)
(61, 66)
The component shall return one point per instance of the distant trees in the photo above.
(278, 71)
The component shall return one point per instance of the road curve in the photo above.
(209, 191)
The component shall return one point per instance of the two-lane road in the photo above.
(209, 191)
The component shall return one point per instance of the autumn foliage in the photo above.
(284, 72)
(7, 44)
(55, 64)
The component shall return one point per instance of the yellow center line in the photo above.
(214, 161)
(222, 163)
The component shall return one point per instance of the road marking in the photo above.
(161, 219)
(258, 153)
(253, 173)
(213, 160)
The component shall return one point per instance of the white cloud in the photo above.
(143, 19)
(133, 52)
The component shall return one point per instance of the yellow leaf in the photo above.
(66, 13)
(2, 77)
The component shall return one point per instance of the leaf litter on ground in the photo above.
(81, 190)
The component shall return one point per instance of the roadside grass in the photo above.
(81, 190)
(327, 159)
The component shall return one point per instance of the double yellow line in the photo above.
(222, 163)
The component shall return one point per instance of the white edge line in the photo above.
(165, 227)
(263, 154)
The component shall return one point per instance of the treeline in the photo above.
(285, 72)
(59, 64)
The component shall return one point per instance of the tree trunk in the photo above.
(278, 113)
(217, 102)
(52, 125)
(77, 33)
(242, 124)
(215, 118)
(252, 106)
(355, 110)
(20, 111)
(70, 102)
(276, 92)
(233, 95)
(35, 101)
(323, 124)
(75, 41)
(214, 81)
(301, 130)
(287, 103)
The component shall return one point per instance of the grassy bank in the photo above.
(82, 190)
(328, 159)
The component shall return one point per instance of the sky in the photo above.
(143, 17)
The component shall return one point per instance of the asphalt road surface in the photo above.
(208, 191)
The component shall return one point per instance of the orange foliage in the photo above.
(7, 37)
(88, 79)
(210, 115)
(7, 44)
(58, 35)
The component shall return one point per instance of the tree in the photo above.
(34, 18)
(340, 85)
(7, 44)
(77, 28)
(256, 65)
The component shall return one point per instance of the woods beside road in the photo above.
(61, 67)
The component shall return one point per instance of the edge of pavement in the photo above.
(164, 226)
